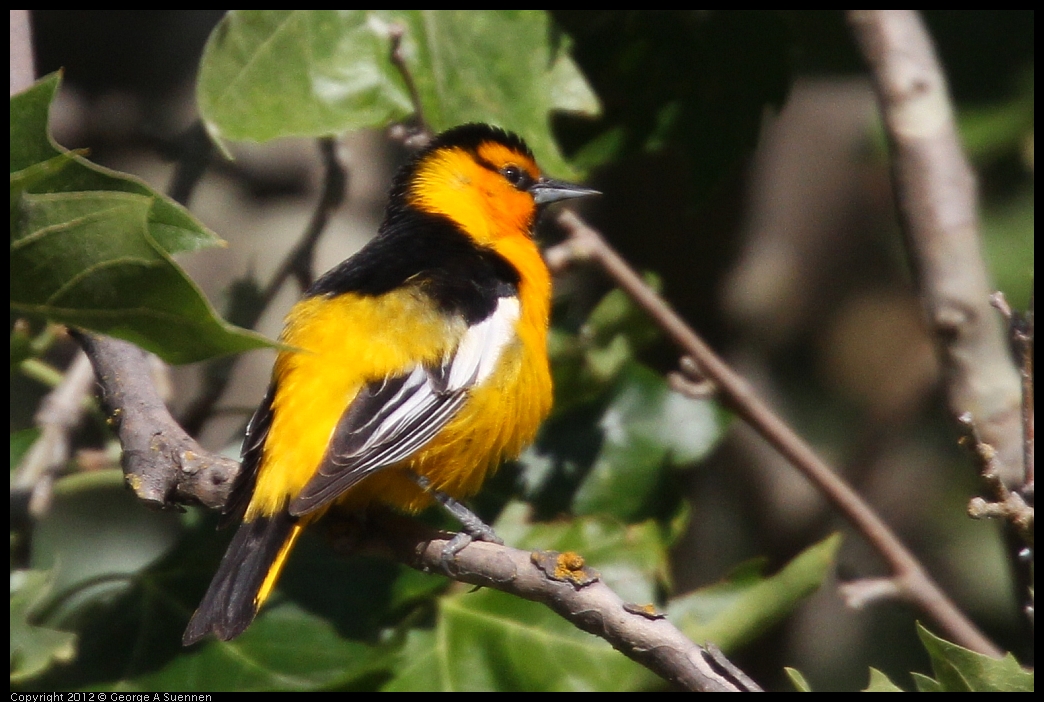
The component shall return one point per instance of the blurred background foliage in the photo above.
(742, 163)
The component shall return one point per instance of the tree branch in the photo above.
(162, 464)
(299, 264)
(23, 68)
(912, 582)
(936, 194)
(562, 582)
(59, 415)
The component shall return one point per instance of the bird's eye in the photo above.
(516, 176)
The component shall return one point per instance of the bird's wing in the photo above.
(393, 417)
(253, 447)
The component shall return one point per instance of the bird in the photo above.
(409, 371)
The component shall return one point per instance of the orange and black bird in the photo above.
(417, 365)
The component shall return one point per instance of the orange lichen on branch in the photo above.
(566, 567)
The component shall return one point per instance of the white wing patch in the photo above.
(479, 351)
(391, 419)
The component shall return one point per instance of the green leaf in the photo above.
(88, 259)
(21, 442)
(268, 74)
(959, 670)
(275, 73)
(319, 631)
(34, 648)
(494, 66)
(287, 649)
(490, 641)
(92, 248)
(645, 427)
(96, 537)
(926, 684)
(39, 165)
(797, 680)
(736, 610)
(586, 362)
(879, 682)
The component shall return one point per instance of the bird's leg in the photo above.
(473, 527)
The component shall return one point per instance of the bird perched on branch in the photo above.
(418, 365)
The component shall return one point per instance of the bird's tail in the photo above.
(245, 578)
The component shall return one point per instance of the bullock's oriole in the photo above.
(420, 363)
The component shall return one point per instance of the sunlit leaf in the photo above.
(267, 74)
(798, 680)
(879, 682)
(89, 259)
(490, 641)
(958, 669)
(39, 165)
(92, 248)
(274, 73)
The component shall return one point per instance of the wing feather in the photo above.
(392, 418)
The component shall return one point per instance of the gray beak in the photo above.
(547, 190)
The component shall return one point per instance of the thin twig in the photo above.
(194, 150)
(689, 382)
(717, 657)
(299, 263)
(937, 200)
(1020, 328)
(396, 33)
(59, 415)
(912, 580)
(857, 594)
(1025, 337)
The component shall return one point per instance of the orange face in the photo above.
(474, 193)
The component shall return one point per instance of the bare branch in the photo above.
(1020, 331)
(59, 414)
(298, 263)
(423, 129)
(194, 151)
(916, 585)
(857, 594)
(162, 464)
(23, 69)
(937, 199)
(563, 583)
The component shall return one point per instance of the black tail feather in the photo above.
(230, 604)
